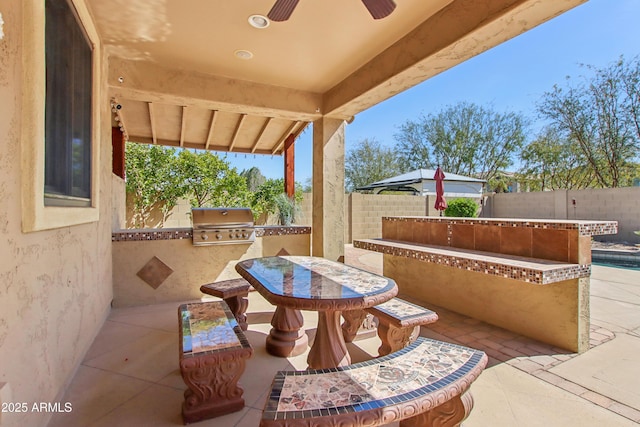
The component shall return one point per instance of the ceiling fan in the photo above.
(282, 9)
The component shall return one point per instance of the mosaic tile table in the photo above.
(423, 384)
(213, 350)
(294, 283)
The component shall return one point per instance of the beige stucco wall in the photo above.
(55, 285)
(118, 200)
(615, 204)
(549, 313)
(192, 266)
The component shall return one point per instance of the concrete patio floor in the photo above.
(130, 375)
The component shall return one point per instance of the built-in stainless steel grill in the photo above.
(214, 226)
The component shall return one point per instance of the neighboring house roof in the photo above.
(416, 176)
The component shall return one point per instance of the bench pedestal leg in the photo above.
(238, 305)
(287, 338)
(212, 382)
(357, 324)
(394, 338)
(450, 414)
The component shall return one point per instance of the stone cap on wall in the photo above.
(523, 269)
(138, 234)
(584, 227)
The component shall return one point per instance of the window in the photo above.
(68, 108)
(63, 97)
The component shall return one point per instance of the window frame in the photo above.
(35, 214)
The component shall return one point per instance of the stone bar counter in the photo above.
(527, 276)
(152, 266)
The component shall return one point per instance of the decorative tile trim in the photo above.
(585, 228)
(281, 230)
(136, 235)
(527, 270)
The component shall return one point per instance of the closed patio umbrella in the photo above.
(441, 203)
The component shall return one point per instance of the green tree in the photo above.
(152, 180)
(254, 178)
(464, 138)
(600, 115)
(263, 200)
(270, 199)
(369, 162)
(210, 181)
(551, 162)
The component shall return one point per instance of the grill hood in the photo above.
(222, 226)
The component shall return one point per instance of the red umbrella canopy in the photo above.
(441, 203)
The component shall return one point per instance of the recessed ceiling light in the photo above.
(259, 21)
(243, 54)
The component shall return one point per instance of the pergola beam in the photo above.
(460, 31)
(236, 132)
(214, 115)
(152, 123)
(262, 130)
(284, 136)
(183, 126)
(150, 82)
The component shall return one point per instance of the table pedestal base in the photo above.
(287, 338)
(329, 349)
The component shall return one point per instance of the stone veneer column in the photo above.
(328, 188)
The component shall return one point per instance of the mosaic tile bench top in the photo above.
(584, 227)
(209, 327)
(404, 312)
(530, 270)
(226, 288)
(314, 278)
(418, 372)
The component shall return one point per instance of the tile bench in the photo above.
(541, 299)
(399, 323)
(423, 384)
(212, 352)
(234, 292)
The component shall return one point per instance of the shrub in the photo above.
(465, 208)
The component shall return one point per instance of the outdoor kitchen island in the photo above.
(152, 266)
(527, 276)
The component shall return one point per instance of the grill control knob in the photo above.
(237, 234)
(204, 236)
(245, 235)
(218, 236)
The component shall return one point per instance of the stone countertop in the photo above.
(524, 269)
(138, 234)
(584, 227)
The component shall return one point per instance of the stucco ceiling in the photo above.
(174, 72)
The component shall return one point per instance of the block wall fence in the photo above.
(364, 212)
(612, 204)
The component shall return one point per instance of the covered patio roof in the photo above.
(197, 74)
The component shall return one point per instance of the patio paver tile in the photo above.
(625, 411)
(526, 365)
(597, 398)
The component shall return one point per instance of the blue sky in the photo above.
(510, 77)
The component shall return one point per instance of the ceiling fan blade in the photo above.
(379, 8)
(282, 10)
